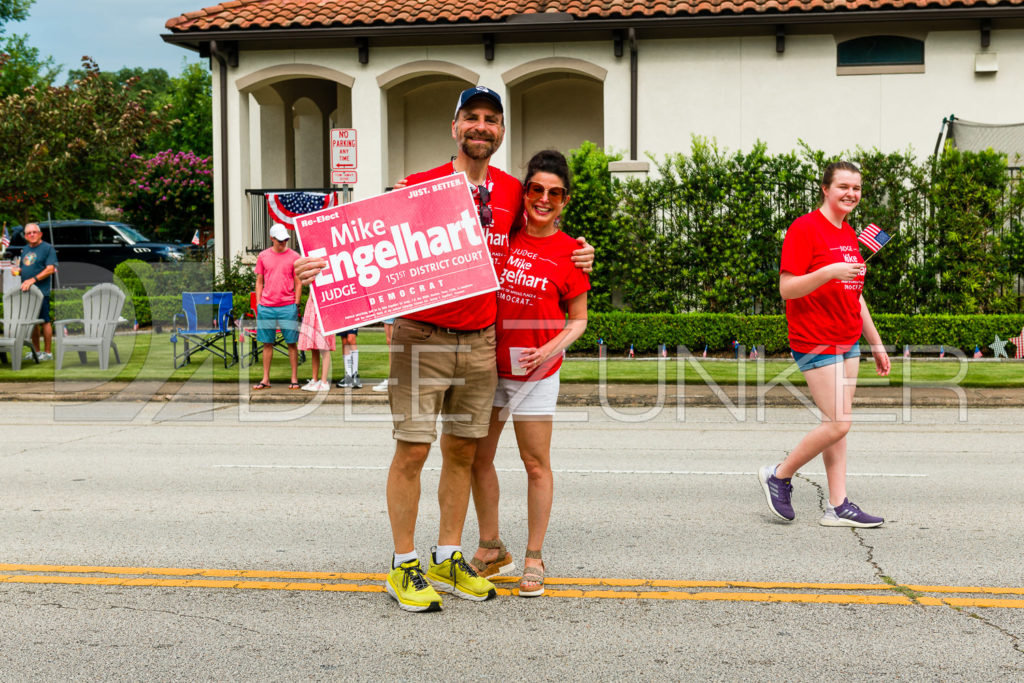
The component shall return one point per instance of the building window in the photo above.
(880, 55)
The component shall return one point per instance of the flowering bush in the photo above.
(169, 196)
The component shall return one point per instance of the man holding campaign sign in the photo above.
(446, 221)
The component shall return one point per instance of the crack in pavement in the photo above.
(187, 616)
(870, 550)
(1015, 640)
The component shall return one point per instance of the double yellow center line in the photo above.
(580, 588)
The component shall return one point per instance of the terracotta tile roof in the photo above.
(257, 14)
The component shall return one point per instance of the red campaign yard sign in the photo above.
(397, 253)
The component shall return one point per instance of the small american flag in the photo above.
(284, 207)
(631, 354)
(942, 351)
(195, 238)
(705, 354)
(873, 237)
(1018, 341)
(977, 351)
(5, 241)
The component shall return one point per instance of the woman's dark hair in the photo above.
(550, 161)
(830, 171)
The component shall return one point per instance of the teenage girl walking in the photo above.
(822, 279)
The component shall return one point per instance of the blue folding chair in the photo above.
(212, 310)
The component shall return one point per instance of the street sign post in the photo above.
(343, 150)
(343, 177)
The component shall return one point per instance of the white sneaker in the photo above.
(383, 386)
(43, 355)
(324, 386)
(312, 385)
(28, 355)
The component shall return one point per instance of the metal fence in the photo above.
(259, 217)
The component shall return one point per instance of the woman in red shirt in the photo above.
(542, 309)
(821, 279)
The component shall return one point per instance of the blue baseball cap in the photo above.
(478, 91)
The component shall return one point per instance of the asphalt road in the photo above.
(199, 541)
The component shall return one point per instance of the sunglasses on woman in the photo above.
(537, 191)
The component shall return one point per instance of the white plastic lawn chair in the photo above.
(21, 314)
(101, 311)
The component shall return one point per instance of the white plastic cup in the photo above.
(514, 352)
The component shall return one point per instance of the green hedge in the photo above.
(703, 232)
(646, 332)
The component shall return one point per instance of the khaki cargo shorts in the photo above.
(436, 370)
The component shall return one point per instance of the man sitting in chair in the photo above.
(277, 298)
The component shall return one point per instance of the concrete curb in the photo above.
(621, 395)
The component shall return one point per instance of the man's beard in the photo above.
(478, 152)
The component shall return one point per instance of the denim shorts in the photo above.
(811, 360)
(44, 312)
(270, 319)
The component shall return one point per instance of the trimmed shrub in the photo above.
(646, 332)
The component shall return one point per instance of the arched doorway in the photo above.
(421, 100)
(554, 103)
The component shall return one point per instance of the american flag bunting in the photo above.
(285, 206)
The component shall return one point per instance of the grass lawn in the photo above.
(148, 356)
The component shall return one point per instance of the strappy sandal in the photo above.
(499, 566)
(532, 575)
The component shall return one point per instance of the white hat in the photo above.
(279, 232)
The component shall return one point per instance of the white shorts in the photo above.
(527, 398)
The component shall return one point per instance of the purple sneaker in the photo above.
(778, 492)
(848, 514)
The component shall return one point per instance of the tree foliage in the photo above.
(21, 66)
(704, 232)
(62, 147)
(185, 101)
(189, 102)
(170, 195)
(14, 10)
(146, 86)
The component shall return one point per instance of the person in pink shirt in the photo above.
(277, 303)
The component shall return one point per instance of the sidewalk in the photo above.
(624, 395)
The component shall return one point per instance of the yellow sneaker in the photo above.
(410, 590)
(454, 575)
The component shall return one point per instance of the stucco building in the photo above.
(635, 77)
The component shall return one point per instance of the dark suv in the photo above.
(89, 250)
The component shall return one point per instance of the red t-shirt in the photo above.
(278, 271)
(537, 282)
(828, 319)
(506, 204)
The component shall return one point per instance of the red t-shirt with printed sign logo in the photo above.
(537, 281)
(478, 312)
(828, 319)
